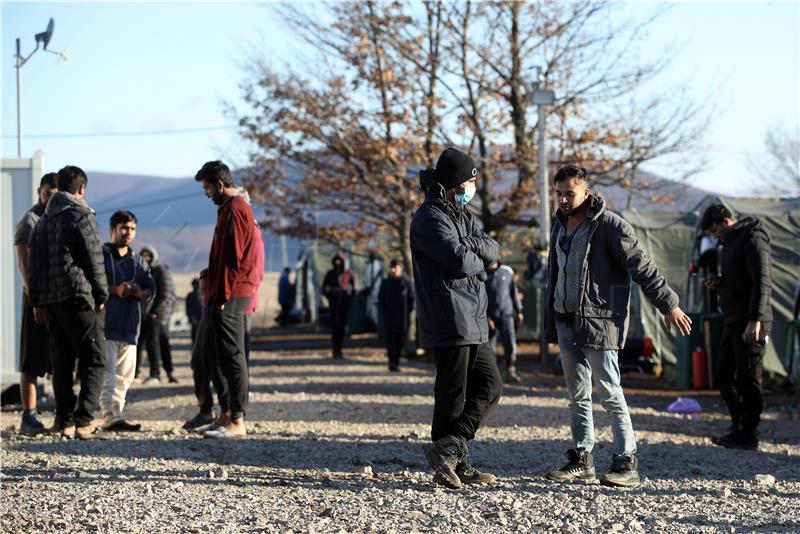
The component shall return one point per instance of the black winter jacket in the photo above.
(745, 285)
(450, 254)
(65, 260)
(395, 301)
(166, 295)
(614, 258)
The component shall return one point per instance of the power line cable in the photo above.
(141, 133)
(148, 203)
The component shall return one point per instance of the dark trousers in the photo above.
(195, 324)
(166, 348)
(206, 370)
(77, 333)
(227, 332)
(738, 376)
(468, 385)
(506, 330)
(149, 341)
(248, 326)
(338, 324)
(395, 342)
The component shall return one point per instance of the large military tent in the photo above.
(671, 240)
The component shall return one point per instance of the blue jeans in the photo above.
(580, 365)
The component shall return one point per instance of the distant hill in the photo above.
(177, 218)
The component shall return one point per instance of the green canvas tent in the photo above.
(670, 240)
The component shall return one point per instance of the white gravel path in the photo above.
(336, 447)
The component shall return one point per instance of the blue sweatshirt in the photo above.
(124, 316)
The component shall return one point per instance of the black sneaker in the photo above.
(623, 473)
(738, 439)
(171, 378)
(443, 456)
(198, 420)
(118, 424)
(512, 376)
(579, 466)
(31, 424)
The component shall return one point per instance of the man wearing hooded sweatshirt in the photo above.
(450, 254)
(338, 286)
(594, 254)
(744, 289)
(155, 319)
(68, 290)
(130, 283)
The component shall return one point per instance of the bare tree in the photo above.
(779, 168)
(399, 81)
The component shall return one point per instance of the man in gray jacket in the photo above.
(68, 290)
(505, 314)
(450, 254)
(594, 254)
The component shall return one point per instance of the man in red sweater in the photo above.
(232, 281)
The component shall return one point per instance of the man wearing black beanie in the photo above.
(450, 254)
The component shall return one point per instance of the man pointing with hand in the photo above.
(594, 255)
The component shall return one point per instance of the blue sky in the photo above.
(153, 67)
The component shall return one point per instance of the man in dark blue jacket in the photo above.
(450, 254)
(129, 284)
(395, 301)
(505, 314)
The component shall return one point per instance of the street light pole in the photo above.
(41, 38)
(19, 100)
(543, 97)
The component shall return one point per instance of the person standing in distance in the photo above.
(744, 289)
(34, 349)
(450, 254)
(505, 314)
(594, 255)
(396, 301)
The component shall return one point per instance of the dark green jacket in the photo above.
(614, 258)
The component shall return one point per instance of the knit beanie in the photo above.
(454, 168)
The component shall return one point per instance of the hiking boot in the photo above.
(31, 424)
(738, 439)
(469, 475)
(579, 466)
(443, 456)
(512, 376)
(623, 473)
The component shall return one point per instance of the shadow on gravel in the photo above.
(349, 453)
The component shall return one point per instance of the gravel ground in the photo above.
(336, 447)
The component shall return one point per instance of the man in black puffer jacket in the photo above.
(450, 254)
(68, 289)
(744, 289)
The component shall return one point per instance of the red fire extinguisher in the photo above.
(700, 368)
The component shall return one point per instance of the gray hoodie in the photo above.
(613, 258)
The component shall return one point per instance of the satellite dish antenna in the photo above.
(46, 35)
